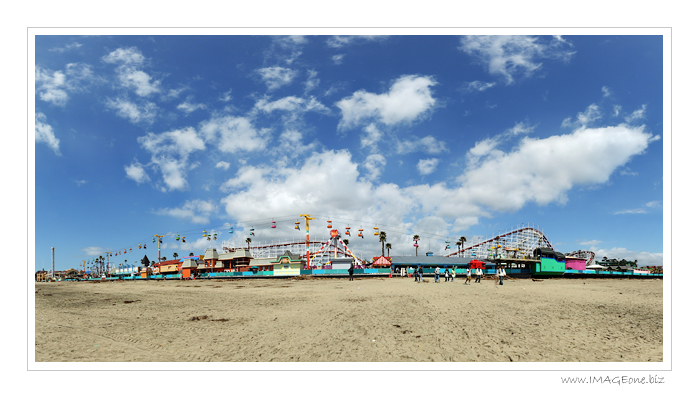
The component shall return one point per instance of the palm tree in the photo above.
(388, 249)
(382, 239)
(416, 237)
(175, 255)
(191, 254)
(459, 245)
(248, 241)
(462, 240)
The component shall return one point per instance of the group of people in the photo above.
(449, 274)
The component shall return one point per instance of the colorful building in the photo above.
(572, 263)
(288, 264)
(550, 262)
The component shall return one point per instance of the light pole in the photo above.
(307, 218)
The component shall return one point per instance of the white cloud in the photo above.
(276, 77)
(370, 137)
(170, 152)
(488, 146)
(54, 86)
(138, 81)
(631, 211)
(638, 114)
(543, 170)
(606, 91)
(136, 172)
(408, 99)
(67, 47)
(291, 145)
(374, 165)
(292, 104)
(647, 207)
(616, 110)
(196, 211)
(342, 41)
(520, 128)
(128, 61)
(477, 85)
(427, 144)
(312, 81)
(338, 59)
(628, 172)
(223, 165)
(226, 97)
(511, 56)
(181, 141)
(127, 56)
(43, 133)
(427, 166)
(144, 111)
(51, 86)
(188, 107)
(286, 48)
(232, 134)
(583, 119)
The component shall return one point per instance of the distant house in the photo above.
(288, 264)
(189, 265)
(41, 275)
(236, 260)
(172, 266)
(211, 261)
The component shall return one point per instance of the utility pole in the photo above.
(307, 218)
(53, 270)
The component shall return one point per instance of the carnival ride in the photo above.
(515, 244)
(518, 243)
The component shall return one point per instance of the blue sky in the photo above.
(441, 136)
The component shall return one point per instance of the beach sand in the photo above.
(336, 320)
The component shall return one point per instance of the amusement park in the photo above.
(524, 251)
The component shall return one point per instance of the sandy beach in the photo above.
(336, 320)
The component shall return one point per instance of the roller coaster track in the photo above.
(516, 243)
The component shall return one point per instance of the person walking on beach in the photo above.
(437, 274)
(478, 276)
(453, 274)
(420, 274)
(501, 275)
(468, 281)
(447, 274)
(351, 270)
